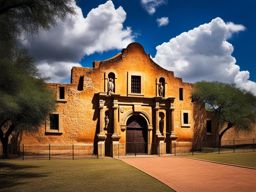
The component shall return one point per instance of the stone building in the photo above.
(126, 104)
(122, 104)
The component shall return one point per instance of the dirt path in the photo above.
(189, 175)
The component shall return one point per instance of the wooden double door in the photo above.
(136, 135)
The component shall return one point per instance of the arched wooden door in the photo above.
(136, 135)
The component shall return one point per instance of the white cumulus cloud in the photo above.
(151, 5)
(63, 46)
(204, 53)
(163, 21)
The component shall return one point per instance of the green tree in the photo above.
(17, 16)
(24, 98)
(231, 106)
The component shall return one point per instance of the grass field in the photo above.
(247, 159)
(85, 175)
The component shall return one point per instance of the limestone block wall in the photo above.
(135, 61)
(79, 111)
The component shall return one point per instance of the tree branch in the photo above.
(10, 130)
(227, 128)
(5, 121)
(7, 8)
(1, 135)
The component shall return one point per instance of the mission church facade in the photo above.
(126, 104)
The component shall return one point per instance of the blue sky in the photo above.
(197, 39)
(185, 15)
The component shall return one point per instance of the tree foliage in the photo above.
(230, 105)
(17, 16)
(24, 98)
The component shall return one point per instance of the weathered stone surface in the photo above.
(80, 110)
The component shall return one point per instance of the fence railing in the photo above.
(78, 151)
(227, 146)
(188, 148)
(52, 151)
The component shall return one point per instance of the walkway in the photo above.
(189, 175)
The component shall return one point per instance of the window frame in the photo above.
(206, 127)
(48, 129)
(58, 93)
(129, 83)
(181, 94)
(135, 84)
(54, 121)
(183, 124)
(80, 85)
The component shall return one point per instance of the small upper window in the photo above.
(181, 94)
(61, 92)
(135, 84)
(209, 126)
(80, 86)
(185, 118)
(54, 121)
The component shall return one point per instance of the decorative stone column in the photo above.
(150, 134)
(101, 135)
(105, 83)
(173, 137)
(157, 87)
(159, 137)
(157, 119)
(115, 136)
(164, 125)
(172, 123)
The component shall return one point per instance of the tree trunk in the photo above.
(224, 131)
(5, 138)
(5, 148)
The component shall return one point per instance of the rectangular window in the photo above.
(80, 86)
(54, 121)
(181, 94)
(135, 84)
(61, 92)
(209, 126)
(185, 118)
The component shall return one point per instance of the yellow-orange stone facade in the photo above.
(90, 113)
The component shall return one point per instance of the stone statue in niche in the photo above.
(161, 89)
(111, 86)
(161, 124)
(106, 121)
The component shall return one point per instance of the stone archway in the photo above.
(136, 135)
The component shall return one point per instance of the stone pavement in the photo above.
(189, 175)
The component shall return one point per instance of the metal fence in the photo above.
(187, 148)
(227, 146)
(51, 151)
(78, 151)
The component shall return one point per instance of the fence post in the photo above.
(234, 147)
(192, 150)
(23, 152)
(253, 145)
(49, 151)
(219, 146)
(175, 148)
(118, 150)
(135, 149)
(73, 154)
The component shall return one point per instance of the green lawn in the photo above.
(94, 175)
(244, 159)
